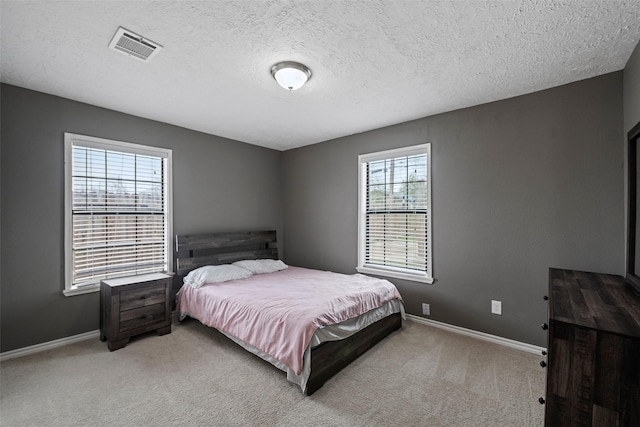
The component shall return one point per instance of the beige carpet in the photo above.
(418, 376)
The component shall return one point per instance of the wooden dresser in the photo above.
(131, 306)
(593, 364)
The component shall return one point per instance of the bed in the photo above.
(309, 340)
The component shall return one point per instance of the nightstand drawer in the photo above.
(149, 295)
(139, 317)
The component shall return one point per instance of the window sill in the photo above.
(423, 278)
(81, 290)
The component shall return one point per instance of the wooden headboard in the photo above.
(196, 250)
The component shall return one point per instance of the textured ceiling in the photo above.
(374, 63)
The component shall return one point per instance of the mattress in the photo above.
(281, 316)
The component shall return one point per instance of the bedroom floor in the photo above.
(418, 376)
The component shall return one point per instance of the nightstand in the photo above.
(134, 305)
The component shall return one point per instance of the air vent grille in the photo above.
(132, 44)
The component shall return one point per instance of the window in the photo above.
(117, 211)
(394, 222)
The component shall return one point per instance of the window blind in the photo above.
(396, 213)
(118, 214)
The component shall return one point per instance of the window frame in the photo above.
(388, 271)
(71, 140)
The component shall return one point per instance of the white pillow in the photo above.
(260, 266)
(215, 274)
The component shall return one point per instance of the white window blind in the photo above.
(395, 211)
(118, 210)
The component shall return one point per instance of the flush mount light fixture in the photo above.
(290, 75)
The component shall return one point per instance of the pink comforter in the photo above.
(279, 312)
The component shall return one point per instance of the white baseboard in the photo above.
(48, 345)
(451, 328)
(529, 348)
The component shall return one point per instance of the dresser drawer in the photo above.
(142, 297)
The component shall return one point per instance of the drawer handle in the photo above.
(544, 353)
(143, 297)
(544, 326)
(543, 363)
(541, 400)
(146, 316)
(545, 297)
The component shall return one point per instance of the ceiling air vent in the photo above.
(134, 45)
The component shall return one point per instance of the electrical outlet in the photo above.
(496, 307)
(426, 309)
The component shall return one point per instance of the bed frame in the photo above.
(327, 359)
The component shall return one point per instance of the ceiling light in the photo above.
(290, 75)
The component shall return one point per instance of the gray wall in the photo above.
(631, 110)
(519, 186)
(219, 185)
(631, 81)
